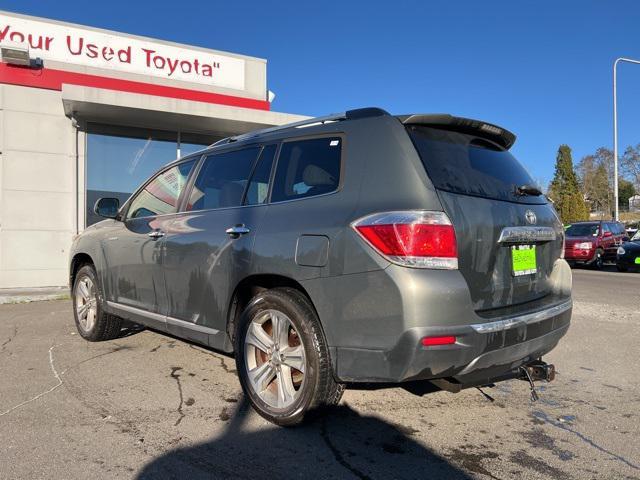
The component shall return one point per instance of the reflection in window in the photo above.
(222, 179)
(119, 159)
(161, 195)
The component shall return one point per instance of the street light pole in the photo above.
(615, 131)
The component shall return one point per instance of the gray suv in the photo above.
(358, 247)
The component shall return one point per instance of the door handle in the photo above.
(237, 230)
(156, 234)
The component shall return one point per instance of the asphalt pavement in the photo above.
(151, 406)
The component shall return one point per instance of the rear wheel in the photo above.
(92, 322)
(282, 358)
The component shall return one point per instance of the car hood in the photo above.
(572, 240)
(635, 245)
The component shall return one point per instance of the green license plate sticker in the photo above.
(524, 259)
(638, 260)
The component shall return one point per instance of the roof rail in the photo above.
(355, 114)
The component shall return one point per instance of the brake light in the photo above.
(435, 341)
(413, 238)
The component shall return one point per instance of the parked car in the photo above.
(628, 254)
(593, 243)
(359, 247)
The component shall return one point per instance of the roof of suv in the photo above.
(499, 135)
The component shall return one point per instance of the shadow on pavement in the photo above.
(341, 444)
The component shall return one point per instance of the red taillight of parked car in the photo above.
(414, 238)
(435, 341)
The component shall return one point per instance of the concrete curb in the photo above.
(26, 295)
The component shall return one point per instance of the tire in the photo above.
(281, 393)
(598, 261)
(621, 268)
(92, 322)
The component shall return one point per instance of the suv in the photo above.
(358, 247)
(591, 243)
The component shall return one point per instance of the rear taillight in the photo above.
(413, 238)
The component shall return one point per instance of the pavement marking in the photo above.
(40, 395)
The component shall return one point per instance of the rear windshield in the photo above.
(583, 230)
(462, 163)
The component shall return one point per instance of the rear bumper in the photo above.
(483, 352)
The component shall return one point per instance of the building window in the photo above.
(120, 159)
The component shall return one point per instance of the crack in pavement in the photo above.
(337, 455)
(8, 341)
(543, 416)
(176, 377)
(40, 395)
(222, 360)
(75, 365)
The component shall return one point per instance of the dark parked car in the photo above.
(593, 243)
(628, 255)
(359, 247)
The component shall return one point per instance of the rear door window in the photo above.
(466, 164)
(307, 168)
(222, 180)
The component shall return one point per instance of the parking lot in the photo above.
(150, 406)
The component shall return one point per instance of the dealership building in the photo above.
(86, 113)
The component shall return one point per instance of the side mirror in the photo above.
(107, 207)
(608, 234)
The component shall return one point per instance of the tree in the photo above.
(565, 189)
(593, 177)
(626, 190)
(630, 165)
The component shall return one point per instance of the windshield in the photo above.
(583, 230)
(636, 236)
(461, 163)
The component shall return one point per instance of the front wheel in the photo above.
(92, 322)
(282, 357)
(598, 261)
(621, 268)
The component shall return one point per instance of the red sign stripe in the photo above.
(51, 79)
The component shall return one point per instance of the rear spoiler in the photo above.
(499, 135)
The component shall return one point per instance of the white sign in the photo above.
(80, 46)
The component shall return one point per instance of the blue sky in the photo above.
(539, 68)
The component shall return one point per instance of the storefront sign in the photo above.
(80, 46)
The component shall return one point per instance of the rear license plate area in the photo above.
(523, 260)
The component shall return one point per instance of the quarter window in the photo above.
(222, 180)
(259, 185)
(307, 168)
(160, 196)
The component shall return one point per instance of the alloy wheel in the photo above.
(274, 358)
(86, 303)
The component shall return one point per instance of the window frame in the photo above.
(274, 169)
(124, 210)
(272, 173)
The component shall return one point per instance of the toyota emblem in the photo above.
(530, 217)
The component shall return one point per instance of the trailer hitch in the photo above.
(537, 370)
